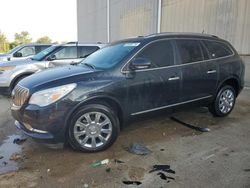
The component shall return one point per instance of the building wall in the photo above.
(228, 19)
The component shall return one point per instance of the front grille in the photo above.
(20, 95)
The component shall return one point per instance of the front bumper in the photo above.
(46, 124)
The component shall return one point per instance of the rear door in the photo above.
(190, 59)
(158, 86)
(209, 68)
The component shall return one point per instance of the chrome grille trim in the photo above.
(20, 96)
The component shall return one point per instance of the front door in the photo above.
(157, 86)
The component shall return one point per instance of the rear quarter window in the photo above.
(218, 49)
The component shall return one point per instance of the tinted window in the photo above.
(40, 48)
(217, 49)
(27, 51)
(43, 54)
(204, 52)
(159, 53)
(68, 52)
(84, 51)
(190, 50)
(109, 56)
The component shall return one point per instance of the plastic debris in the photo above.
(15, 157)
(100, 163)
(201, 129)
(137, 149)
(19, 140)
(48, 170)
(164, 168)
(118, 161)
(132, 182)
(164, 177)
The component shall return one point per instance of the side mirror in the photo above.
(51, 58)
(18, 54)
(140, 63)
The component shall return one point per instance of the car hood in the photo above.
(4, 55)
(55, 76)
(17, 62)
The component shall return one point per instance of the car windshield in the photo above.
(41, 55)
(109, 56)
(14, 49)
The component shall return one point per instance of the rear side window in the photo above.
(189, 50)
(84, 51)
(217, 49)
(40, 48)
(161, 54)
(68, 52)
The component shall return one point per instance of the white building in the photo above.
(109, 20)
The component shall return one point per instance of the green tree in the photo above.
(4, 45)
(22, 38)
(44, 39)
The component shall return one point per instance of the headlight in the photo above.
(49, 96)
(5, 68)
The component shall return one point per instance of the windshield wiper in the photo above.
(89, 65)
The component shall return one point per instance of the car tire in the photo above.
(224, 101)
(93, 128)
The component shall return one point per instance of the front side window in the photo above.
(84, 51)
(27, 51)
(189, 50)
(217, 49)
(68, 52)
(110, 56)
(160, 54)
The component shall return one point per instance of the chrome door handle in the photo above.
(174, 78)
(211, 71)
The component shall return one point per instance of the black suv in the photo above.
(87, 104)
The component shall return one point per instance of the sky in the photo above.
(56, 19)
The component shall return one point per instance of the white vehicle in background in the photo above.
(24, 51)
(57, 55)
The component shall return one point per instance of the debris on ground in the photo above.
(86, 185)
(1, 157)
(118, 161)
(19, 140)
(15, 157)
(162, 149)
(132, 182)
(48, 170)
(4, 163)
(164, 168)
(137, 149)
(247, 170)
(100, 163)
(201, 129)
(108, 169)
(164, 177)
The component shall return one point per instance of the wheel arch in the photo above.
(232, 81)
(104, 100)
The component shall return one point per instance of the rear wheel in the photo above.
(93, 128)
(224, 101)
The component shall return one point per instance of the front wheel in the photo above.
(93, 128)
(224, 102)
